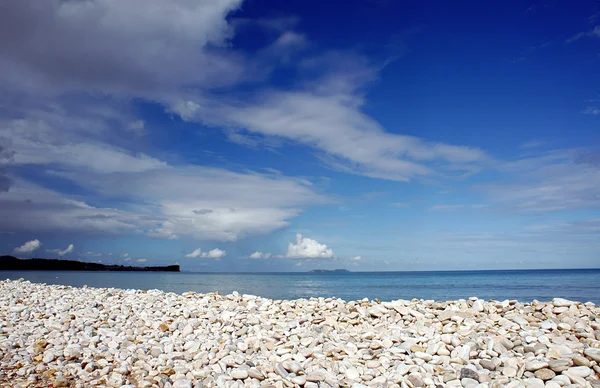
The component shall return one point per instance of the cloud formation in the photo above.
(62, 252)
(216, 254)
(110, 46)
(352, 142)
(306, 248)
(593, 33)
(553, 181)
(28, 247)
(260, 255)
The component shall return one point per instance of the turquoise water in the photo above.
(581, 285)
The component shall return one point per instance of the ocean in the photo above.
(523, 285)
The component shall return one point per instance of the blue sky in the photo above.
(255, 135)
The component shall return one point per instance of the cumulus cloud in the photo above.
(357, 258)
(28, 247)
(260, 255)
(306, 248)
(62, 252)
(212, 254)
(141, 260)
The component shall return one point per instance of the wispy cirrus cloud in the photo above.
(353, 141)
(592, 110)
(552, 181)
(593, 33)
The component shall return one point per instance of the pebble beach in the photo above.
(60, 336)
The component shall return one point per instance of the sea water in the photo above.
(524, 285)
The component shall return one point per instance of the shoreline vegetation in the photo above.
(11, 263)
(81, 337)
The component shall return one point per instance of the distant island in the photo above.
(8, 263)
(328, 270)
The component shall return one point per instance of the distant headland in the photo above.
(8, 263)
(328, 270)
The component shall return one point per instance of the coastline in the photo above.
(113, 337)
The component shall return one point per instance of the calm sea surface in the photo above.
(543, 285)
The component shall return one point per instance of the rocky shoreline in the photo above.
(61, 336)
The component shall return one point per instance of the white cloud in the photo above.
(28, 247)
(37, 142)
(326, 114)
(593, 33)
(260, 255)
(27, 207)
(554, 181)
(127, 259)
(62, 252)
(241, 204)
(141, 260)
(196, 253)
(306, 248)
(125, 255)
(109, 45)
(592, 110)
(216, 254)
(357, 258)
(91, 254)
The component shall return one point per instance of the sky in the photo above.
(262, 135)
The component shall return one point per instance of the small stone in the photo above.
(487, 364)
(509, 372)
(579, 371)
(352, 373)
(535, 365)
(239, 374)
(182, 383)
(315, 376)
(416, 380)
(593, 353)
(544, 374)
(280, 370)
(372, 364)
(581, 361)
(466, 373)
(48, 357)
(300, 380)
(163, 327)
(559, 365)
(560, 302)
(468, 382)
(60, 381)
(255, 374)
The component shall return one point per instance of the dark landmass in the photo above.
(328, 270)
(8, 263)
